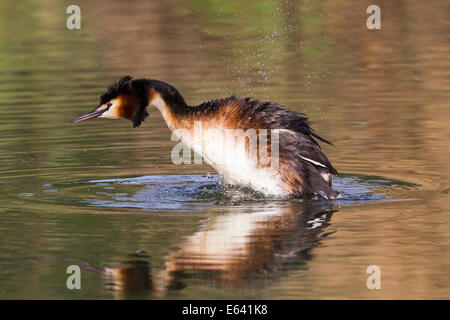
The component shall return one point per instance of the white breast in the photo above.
(226, 153)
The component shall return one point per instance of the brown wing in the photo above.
(303, 176)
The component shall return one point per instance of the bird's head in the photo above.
(126, 98)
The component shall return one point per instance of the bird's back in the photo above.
(302, 168)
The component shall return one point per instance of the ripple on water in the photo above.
(184, 192)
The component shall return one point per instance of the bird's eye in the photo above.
(109, 104)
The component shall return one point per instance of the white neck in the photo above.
(161, 105)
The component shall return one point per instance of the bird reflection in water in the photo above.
(134, 278)
(231, 250)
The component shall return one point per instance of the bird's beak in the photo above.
(90, 115)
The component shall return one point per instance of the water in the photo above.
(107, 197)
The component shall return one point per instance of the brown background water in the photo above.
(151, 229)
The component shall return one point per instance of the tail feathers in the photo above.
(319, 185)
(311, 182)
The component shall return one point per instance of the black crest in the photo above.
(120, 87)
(136, 89)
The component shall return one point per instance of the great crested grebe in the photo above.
(302, 169)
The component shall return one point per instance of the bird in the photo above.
(301, 169)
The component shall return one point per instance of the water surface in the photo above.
(107, 197)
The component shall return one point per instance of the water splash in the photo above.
(185, 192)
